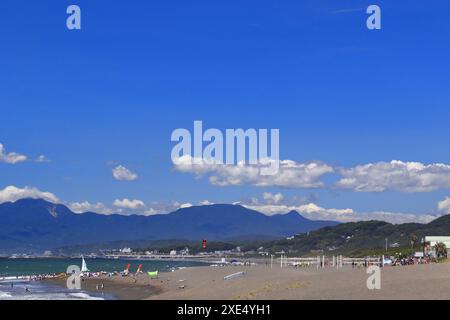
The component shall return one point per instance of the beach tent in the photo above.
(126, 271)
(153, 274)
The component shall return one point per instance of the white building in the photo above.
(434, 240)
(47, 253)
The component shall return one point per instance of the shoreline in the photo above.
(120, 288)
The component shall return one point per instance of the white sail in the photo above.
(83, 265)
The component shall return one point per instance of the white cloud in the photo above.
(12, 194)
(85, 206)
(394, 217)
(444, 206)
(205, 203)
(12, 157)
(129, 204)
(156, 208)
(395, 175)
(123, 207)
(169, 207)
(372, 177)
(272, 198)
(291, 174)
(150, 212)
(310, 210)
(42, 158)
(121, 173)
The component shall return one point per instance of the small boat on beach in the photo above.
(84, 267)
(235, 275)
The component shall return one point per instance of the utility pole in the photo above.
(386, 244)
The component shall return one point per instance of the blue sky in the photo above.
(112, 93)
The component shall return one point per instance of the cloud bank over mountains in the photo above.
(377, 177)
(12, 194)
(86, 206)
(313, 211)
(269, 204)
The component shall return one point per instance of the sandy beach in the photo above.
(408, 282)
(430, 282)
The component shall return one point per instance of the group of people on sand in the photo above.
(410, 261)
(97, 274)
(360, 264)
(404, 261)
(41, 277)
(37, 277)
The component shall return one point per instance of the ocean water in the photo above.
(26, 267)
(14, 281)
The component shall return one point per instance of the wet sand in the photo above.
(121, 288)
(429, 282)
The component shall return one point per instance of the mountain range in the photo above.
(33, 225)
